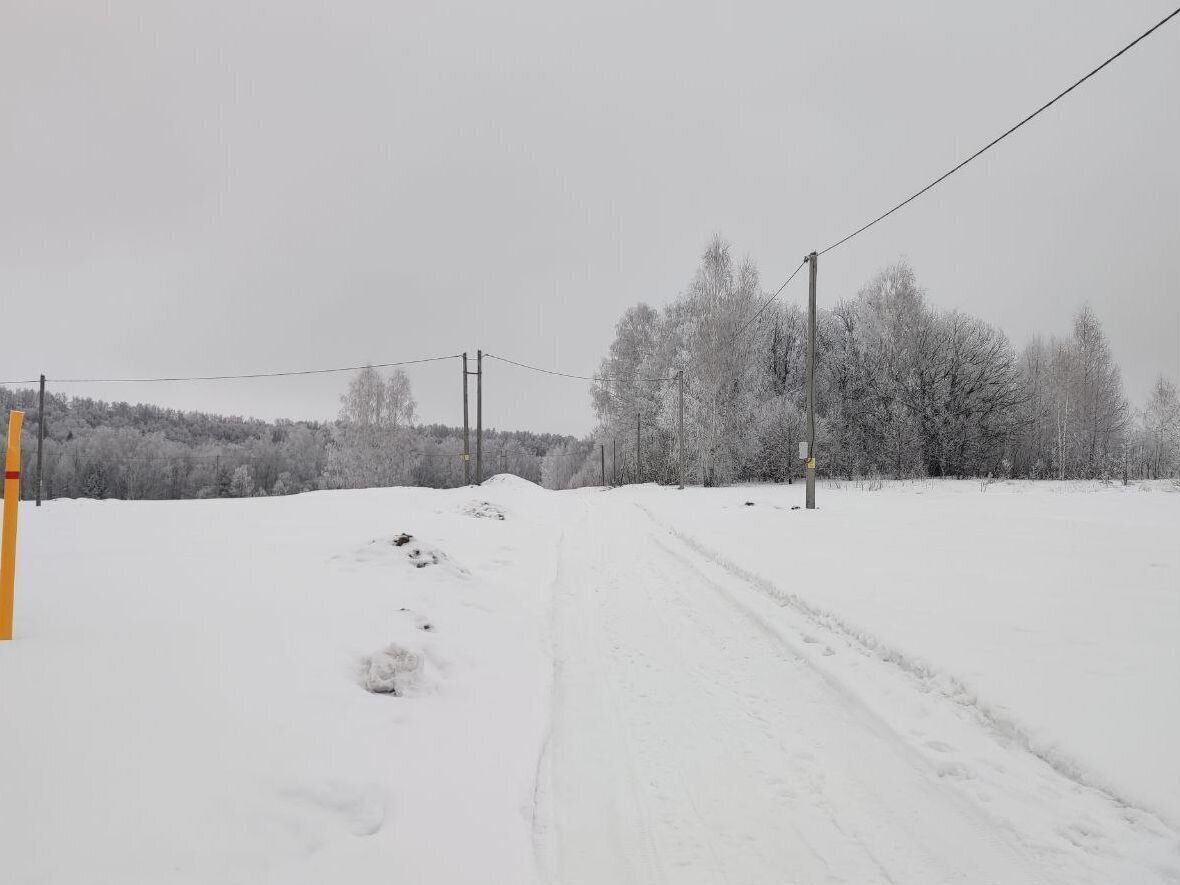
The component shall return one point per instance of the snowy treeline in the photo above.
(96, 449)
(902, 389)
(376, 443)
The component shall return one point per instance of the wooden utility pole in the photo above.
(41, 435)
(614, 461)
(466, 430)
(812, 261)
(680, 423)
(479, 417)
(638, 451)
(602, 455)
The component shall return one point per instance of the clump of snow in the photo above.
(403, 548)
(393, 670)
(484, 510)
(423, 556)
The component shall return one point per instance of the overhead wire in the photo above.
(431, 359)
(766, 303)
(570, 375)
(1006, 133)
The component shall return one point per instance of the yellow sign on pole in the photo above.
(11, 503)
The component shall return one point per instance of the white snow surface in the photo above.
(934, 682)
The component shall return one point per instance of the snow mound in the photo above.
(393, 670)
(510, 481)
(484, 510)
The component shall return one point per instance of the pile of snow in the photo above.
(512, 483)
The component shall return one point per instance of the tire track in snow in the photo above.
(1155, 845)
(978, 822)
(949, 686)
(627, 854)
(687, 749)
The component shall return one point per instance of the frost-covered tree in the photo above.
(371, 444)
(1160, 434)
(902, 388)
(241, 484)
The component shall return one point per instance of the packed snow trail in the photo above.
(690, 744)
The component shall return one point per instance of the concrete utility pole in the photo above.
(41, 436)
(602, 455)
(479, 417)
(680, 423)
(466, 430)
(614, 461)
(812, 261)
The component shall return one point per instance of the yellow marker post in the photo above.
(11, 503)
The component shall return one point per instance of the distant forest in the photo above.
(96, 449)
(903, 389)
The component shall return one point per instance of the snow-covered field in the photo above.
(928, 683)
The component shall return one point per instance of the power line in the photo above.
(432, 359)
(502, 359)
(1008, 132)
(766, 303)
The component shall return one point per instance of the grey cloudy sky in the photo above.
(218, 187)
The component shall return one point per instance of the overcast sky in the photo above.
(219, 187)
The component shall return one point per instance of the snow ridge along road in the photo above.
(703, 732)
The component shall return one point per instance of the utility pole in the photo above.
(41, 436)
(602, 455)
(466, 430)
(811, 260)
(680, 423)
(638, 452)
(614, 461)
(479, 417)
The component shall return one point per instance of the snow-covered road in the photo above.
(703, 733)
